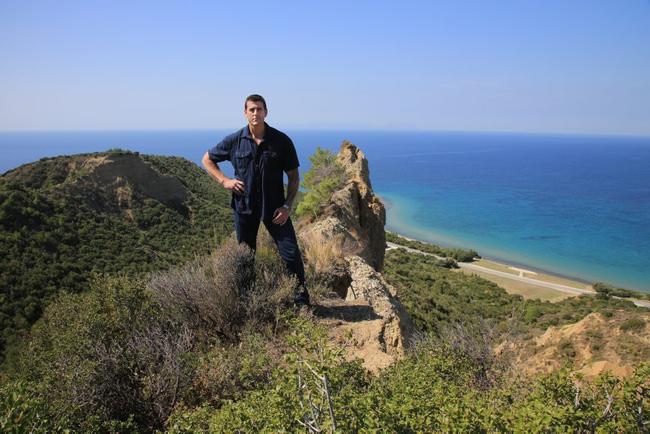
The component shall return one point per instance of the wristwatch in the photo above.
(286, 206)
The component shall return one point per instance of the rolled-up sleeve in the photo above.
(221, 151)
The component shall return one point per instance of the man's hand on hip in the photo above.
(280, 216)
(234, 185)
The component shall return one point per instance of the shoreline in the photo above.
(543, 286)
(400, 225)
(506, 263)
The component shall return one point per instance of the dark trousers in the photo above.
(247, 226)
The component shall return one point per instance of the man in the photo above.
(261, 155)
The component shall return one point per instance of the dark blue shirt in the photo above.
(259, 167)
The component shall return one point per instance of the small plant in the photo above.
(566, 349)
(633, 325)
(324, 177)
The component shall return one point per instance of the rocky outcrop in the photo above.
(354, 214)
(367, 318)
(370, 323)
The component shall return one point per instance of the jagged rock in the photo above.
(367, 320)
(354, 214)
(371, 323)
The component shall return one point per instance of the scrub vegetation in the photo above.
(197, 339)
(60, 225)
(435, 296)
(226, 355)
(461, 255)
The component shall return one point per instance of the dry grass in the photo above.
(322, 253)
(221, 294)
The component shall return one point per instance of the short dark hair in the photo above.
(255, 98)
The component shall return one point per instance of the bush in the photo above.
(633, 325)
(228, 372)
(324, 177)
(296, 394)
(120, 357)
(604, 290)
(221, 294)
(22, 410)
(108, 357)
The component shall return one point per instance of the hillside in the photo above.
(396, 341)
(66, 218)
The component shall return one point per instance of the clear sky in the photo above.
(511, 65)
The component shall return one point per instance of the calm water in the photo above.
(574, 205)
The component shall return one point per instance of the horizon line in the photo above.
(334, 129)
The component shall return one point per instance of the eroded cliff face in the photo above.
(355, 215)
(595, 344)
(366, 318)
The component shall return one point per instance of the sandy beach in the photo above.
(529, 282)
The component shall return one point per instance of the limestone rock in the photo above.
(348, 242)
(371, 323)
(354, 215)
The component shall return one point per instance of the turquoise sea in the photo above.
(574, 205)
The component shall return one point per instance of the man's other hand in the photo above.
(280, 216)
(234, 185)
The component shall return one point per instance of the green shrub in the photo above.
(324, 177)
(605, 290)
(296, 393)
(633, 325)
(104, 357)
(22, 410)
(228, 372)
(123, 355)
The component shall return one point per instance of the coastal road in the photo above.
(555, 286)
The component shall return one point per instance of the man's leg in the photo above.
(246, 227)
(285, 239)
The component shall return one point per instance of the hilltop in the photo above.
(67, 218)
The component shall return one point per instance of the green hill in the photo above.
(68, 217)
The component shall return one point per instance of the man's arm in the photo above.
(213, 170)
(292, 186)
(281, 215)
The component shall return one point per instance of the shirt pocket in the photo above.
(242, 162)
(271, 160)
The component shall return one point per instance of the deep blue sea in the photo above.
(574, 205)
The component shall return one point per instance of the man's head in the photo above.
(255, 109)
(255, 98)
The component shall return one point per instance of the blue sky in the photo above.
(531, 66)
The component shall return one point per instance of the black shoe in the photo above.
(301, 299)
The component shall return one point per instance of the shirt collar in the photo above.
(247, 132)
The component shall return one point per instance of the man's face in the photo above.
(255, 112)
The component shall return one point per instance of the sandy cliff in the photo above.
(365, 317)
